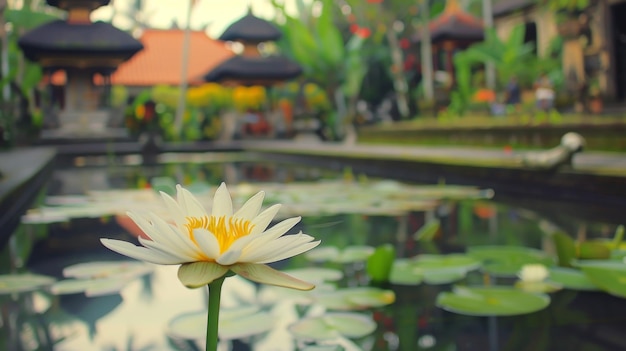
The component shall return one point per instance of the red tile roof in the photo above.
(160, 60)
(454, 12)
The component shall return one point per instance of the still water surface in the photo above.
(137, 317)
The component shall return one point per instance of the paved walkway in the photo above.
(607, 163)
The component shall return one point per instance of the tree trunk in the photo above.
(399, 83)
(426, 53)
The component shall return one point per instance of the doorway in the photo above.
(530, 35)
(618, 13)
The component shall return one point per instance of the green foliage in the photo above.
(327, 58)
(380, 262)
(565, 5)
(511, 57)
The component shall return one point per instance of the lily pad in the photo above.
(571, 278)
(442, 262)
(443, 276)
(356, 298)
(100, 277)
(322, 253)
(403, 273)
(608, 275)
(102, 269)
(316, 274)
(433, 269)
(25, 282)
(354, 254)
(349, 254)
(333, 325)
(235, 323)
(538, 286)
(507, 261)
(380, 263)
(91, 287)
(491, 301)
(323, 348)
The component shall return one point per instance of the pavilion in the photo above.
(83, 50)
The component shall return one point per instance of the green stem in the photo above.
(213, 314)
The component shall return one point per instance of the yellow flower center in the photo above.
(225, 232)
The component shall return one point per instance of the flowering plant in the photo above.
(211, 247)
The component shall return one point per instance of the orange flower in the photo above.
(484, 95)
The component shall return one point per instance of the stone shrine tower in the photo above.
(86, 54)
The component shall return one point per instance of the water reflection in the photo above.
(137, 317)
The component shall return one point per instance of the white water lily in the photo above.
(208, 246)
(533, 273)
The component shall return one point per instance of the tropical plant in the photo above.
(317, 44)
(511, 57)
(565, 5)
(19, 77)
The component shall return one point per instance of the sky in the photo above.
(217, 14)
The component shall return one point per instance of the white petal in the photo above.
(251, 208)
(265, 275)
(188, 202)
(222, 203)
(279, 249)
(229, 257)
(264, 219)
(143, 224)
(167, 250)
(207, 243)
(259, 239)
(253, 242)
(158, 231)
(139, 252)
(175, 211)
(170, 234)
(197, 274)
(300, 248)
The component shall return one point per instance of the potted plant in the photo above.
(596, 104)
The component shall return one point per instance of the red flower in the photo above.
(374, 1)
(405, 43)
(354, 28)
(363, 33)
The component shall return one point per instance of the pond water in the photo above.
(146, 308)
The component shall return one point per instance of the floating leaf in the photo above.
(333, 325)
(608, 275)
(428, 230)
(315, 274)
(403, 273)
(102, 269)
(594, 249)
(435, 269)
(235, 323)
(507, 261)
(538, 286)
(91, 287)
(380, 263)
(322, 253)
(618, 237)
(354, 254)
(313, 198)
(323, 348)
(450, 261)
(443, 276)
(565, 248)
(491, 301)
(24, 282)
(571, 278)
(356, 298)
(100, 277)
(350, 254)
